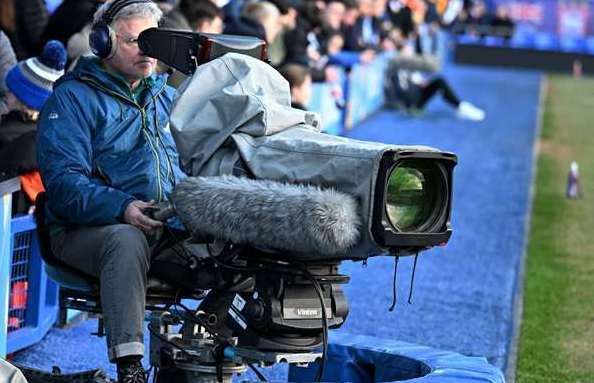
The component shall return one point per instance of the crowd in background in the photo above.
(476, 19)
(309, 41)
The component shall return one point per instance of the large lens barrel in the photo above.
(415, 196)
(412, 202)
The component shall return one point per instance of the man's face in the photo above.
(128, 60)
(290, 19)
(272, 26)
(334, 14)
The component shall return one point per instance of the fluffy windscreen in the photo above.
(302, 219)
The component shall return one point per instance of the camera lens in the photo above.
(415, 196)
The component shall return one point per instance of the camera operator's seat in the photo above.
(81, 291)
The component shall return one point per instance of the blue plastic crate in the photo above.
(33, 297)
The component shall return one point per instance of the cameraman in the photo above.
(106, 155)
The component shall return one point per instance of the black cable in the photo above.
(147, 373)
(394, 292)
(318, 289)
(230, 267)
(412, 279)
(258, 373)
(242, 268)
(320, 372)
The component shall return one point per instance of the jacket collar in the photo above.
(90, 69)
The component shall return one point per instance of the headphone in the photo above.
(102, 39)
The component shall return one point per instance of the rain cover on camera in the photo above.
(237, 108)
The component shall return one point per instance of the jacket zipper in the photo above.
(143, 127)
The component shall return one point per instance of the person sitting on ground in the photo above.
(29, 84)
(107, 155)
(299, 79)
(411, 82)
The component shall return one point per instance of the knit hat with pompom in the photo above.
(32, 80)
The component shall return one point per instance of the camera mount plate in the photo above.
(271, 357)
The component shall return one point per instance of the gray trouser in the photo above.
(119, 255)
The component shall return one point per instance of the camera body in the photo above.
(233, 117)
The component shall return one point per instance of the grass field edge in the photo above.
(518, 305)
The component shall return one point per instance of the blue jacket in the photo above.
(99, 148)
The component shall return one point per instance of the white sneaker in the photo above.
(470, 112)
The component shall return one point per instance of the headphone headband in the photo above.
(115, 8)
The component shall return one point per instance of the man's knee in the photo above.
(127, 243)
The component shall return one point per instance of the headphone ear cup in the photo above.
(113, 42)
(100, 39)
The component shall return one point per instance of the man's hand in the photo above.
(134, 215)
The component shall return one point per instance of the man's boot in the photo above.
(130, 370)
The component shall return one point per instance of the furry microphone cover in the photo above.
(298, 218)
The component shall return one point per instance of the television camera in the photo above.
(275, 224)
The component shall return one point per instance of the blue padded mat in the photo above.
(463, 293)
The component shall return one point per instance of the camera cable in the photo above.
(257, 372)
(317, 287)
(394, 292)
(412, 279)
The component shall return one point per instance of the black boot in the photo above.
(130, 370)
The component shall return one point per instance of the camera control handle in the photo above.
(161, 211)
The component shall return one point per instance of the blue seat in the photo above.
(81, 291)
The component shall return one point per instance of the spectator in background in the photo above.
(173, 18)
(301, 43)
(23, 21)
(502, 23)
(332, 17)
(202, 15)
(7, 61)
(428, 30)
(288, 19)
(69, 18)
(478, 19)
(260, 19)
(299, 79)
(29, 84)
(244, 26)
(401, 18)
(351, 14)
(366, 32)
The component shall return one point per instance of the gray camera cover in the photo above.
(239, 107)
